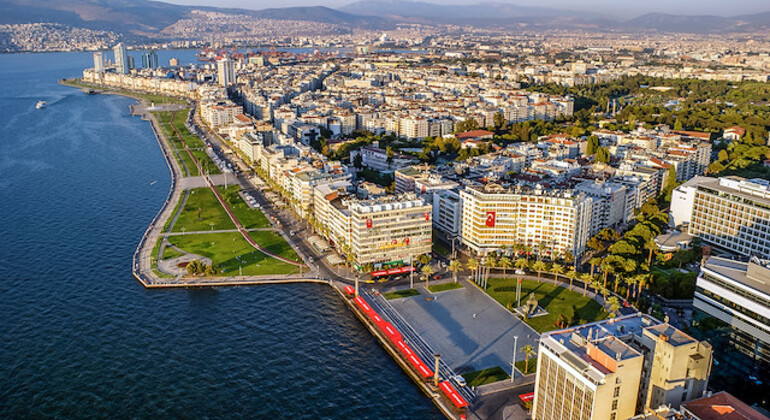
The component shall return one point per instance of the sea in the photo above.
(80, 338)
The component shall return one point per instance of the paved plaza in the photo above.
(469, 329)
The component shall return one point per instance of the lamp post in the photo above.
(435, 371)
(513, 363)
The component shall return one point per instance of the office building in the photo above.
(99, 62)
(225, 72)
(738, 293)
(617, 368)
(722, 406)
(122, 64)
(494, 217)
(731, 213)
(375, 158)
(150, 60)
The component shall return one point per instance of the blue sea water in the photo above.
(80, 338)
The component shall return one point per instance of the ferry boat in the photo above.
(41, 104)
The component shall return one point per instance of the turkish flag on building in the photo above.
(427, 215)
(368, 223)
(491, 218)
(406, 240)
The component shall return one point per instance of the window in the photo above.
(617, 392)
(614, 404)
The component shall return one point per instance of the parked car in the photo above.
(459, 380)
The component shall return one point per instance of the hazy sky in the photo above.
(618, 8)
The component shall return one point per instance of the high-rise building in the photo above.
(494, 217)
(150, 60)
(225, 72)
(122, 64)
(738, 293)
(732, 213)
(99, 62)
(616, 368)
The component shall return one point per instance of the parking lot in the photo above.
(468, 329)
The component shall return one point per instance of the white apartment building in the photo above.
(611, 208)
(375, 158)
(217, 114)
(493, 217)
(447, 212)
(225, 72)
(730, 212)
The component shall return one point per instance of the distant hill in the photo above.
(699, 24)
(456, 13)
(317, 14)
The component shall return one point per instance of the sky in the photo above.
(614, 8)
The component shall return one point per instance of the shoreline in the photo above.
(140, 258)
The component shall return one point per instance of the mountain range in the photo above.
(149, 18)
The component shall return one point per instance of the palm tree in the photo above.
(454, 267)
(540, 250)
(505, 263)
(490, 262)
(652, 246)
(569, 258)
(527, 250)
(539, 266)
(572, 275)
(595, 261)
(427, 271)
(630, 282)
(473, 265)
(614, 304)
(642, 280)
(557, 269)
(528, 351)
(606, 267)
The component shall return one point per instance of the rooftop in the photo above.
(738, 271)
(722, 406)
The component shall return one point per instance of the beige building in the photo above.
(385, 231)
(493, 217)
(617, 368)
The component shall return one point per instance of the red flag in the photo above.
(368, 223)
(427, 215)
(406, 240)
(491, 219)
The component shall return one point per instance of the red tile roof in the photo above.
(722, 406)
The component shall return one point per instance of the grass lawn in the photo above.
(210, 212)
(486, 376)
(229, 250)
(521, 364)
(169, 253)
(400, 294)
(444, 287)
(163, 275)
(274, 242)
(556, 300)
(249, 218)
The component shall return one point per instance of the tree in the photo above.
(454, 267)
(521, 264)
(490, 262)
(592, 145)
(424, 259)
(473, 265)
(427, 271)
(389, 154)
(722, 155)
(466, 125)
(499, 122)
(358, 161)
(572, 275)
(556, 270)
(614, 305)
(678, 125)
(539, 266)
(505, 263)
(602, 155)
(595, 261)
(586, 279)
(528, 351)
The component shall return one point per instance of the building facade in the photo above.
(122, 64)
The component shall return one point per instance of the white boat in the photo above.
(41, 104)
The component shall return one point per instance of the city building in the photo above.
(615, 369)
(731, 213)
(99, 62)
(494, 217)
(375, 158)
(150, 60)
(122, 64)
(225, 72)
(720, 406)
(738, 293)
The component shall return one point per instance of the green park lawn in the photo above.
(445, 286)
(211, 212)
(556, 300)
(169, 253)
(229, 250)
(400, 294)
(148, 97)
(250, 218)
(485, 376)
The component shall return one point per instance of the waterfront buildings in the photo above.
(732, 213)
(225, 72)
(738, 293)
(122, 64)
(617, 368)
(494, 217)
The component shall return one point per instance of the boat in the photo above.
(41, 104)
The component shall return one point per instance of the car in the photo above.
(459, 380)
(291, 232)
(311, 259)
(519, 271)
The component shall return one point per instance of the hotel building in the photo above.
(615, 369)
(732, 213)
(386, 231)
(493, 217)
(738, 293)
